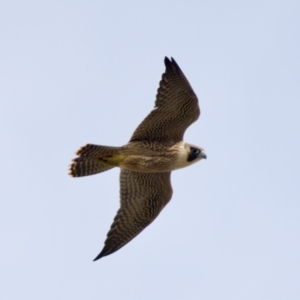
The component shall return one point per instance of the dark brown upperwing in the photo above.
(143, 196)
(176, 107)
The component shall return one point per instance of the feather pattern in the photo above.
(176, 108)
(143, 196)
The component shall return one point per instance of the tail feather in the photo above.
(96, 150)
(94, 159)
(83, 166)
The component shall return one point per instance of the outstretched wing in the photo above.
(176, 108)
(143, 196)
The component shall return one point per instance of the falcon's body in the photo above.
(155, 149)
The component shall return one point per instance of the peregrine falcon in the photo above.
(155, 149)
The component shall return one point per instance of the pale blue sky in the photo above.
(76, 72)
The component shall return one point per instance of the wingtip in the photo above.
(171, 63)
(98, 256)
(101, 254)
(167, 61)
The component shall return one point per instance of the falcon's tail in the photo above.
(95, 159)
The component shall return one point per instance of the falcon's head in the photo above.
(195, 153)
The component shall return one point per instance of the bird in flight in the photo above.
(155, 149)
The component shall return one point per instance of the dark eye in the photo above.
(194, 154)
(195, 151)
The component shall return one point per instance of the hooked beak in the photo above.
(203, 155)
